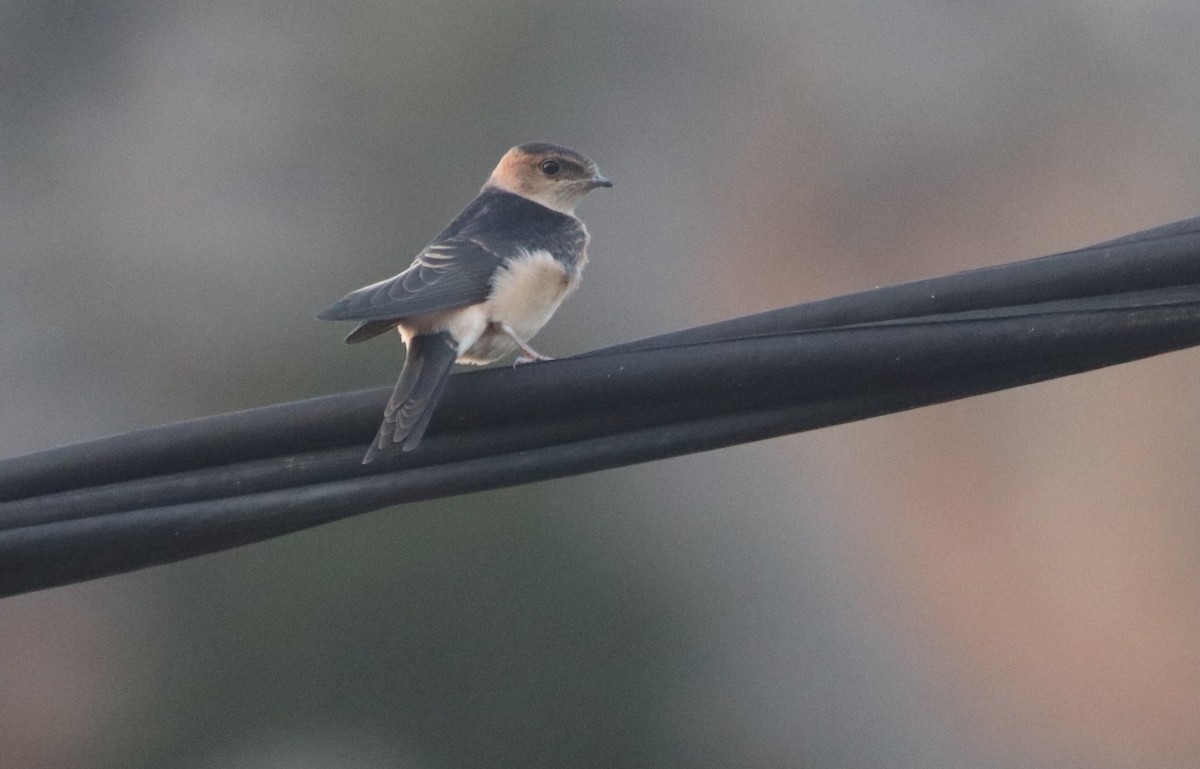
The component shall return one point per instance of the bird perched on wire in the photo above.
(484, 286)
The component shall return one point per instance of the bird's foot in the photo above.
(535, 358)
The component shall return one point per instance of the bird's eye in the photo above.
(550, 167)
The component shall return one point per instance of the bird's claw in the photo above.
(523, 359)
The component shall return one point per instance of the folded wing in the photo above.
(447, 274)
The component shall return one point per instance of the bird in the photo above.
(483, 287)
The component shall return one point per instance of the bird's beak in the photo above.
(598, 181)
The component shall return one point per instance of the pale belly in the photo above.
(524, 297)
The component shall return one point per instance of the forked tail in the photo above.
(422, 380)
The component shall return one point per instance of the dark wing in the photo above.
(447, 274)
(369, 329)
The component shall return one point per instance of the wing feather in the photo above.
(447, 274)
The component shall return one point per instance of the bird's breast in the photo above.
(525, 293)
(529, 288)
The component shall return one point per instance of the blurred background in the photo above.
(1007, 581)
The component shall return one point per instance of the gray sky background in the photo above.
(1008, 581)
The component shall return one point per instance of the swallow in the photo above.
(483, 287)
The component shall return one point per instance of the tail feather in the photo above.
(422, 380)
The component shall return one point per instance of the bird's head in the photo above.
(553, 176)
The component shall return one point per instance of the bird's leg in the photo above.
(530, 355)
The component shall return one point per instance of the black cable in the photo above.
(167, 493)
